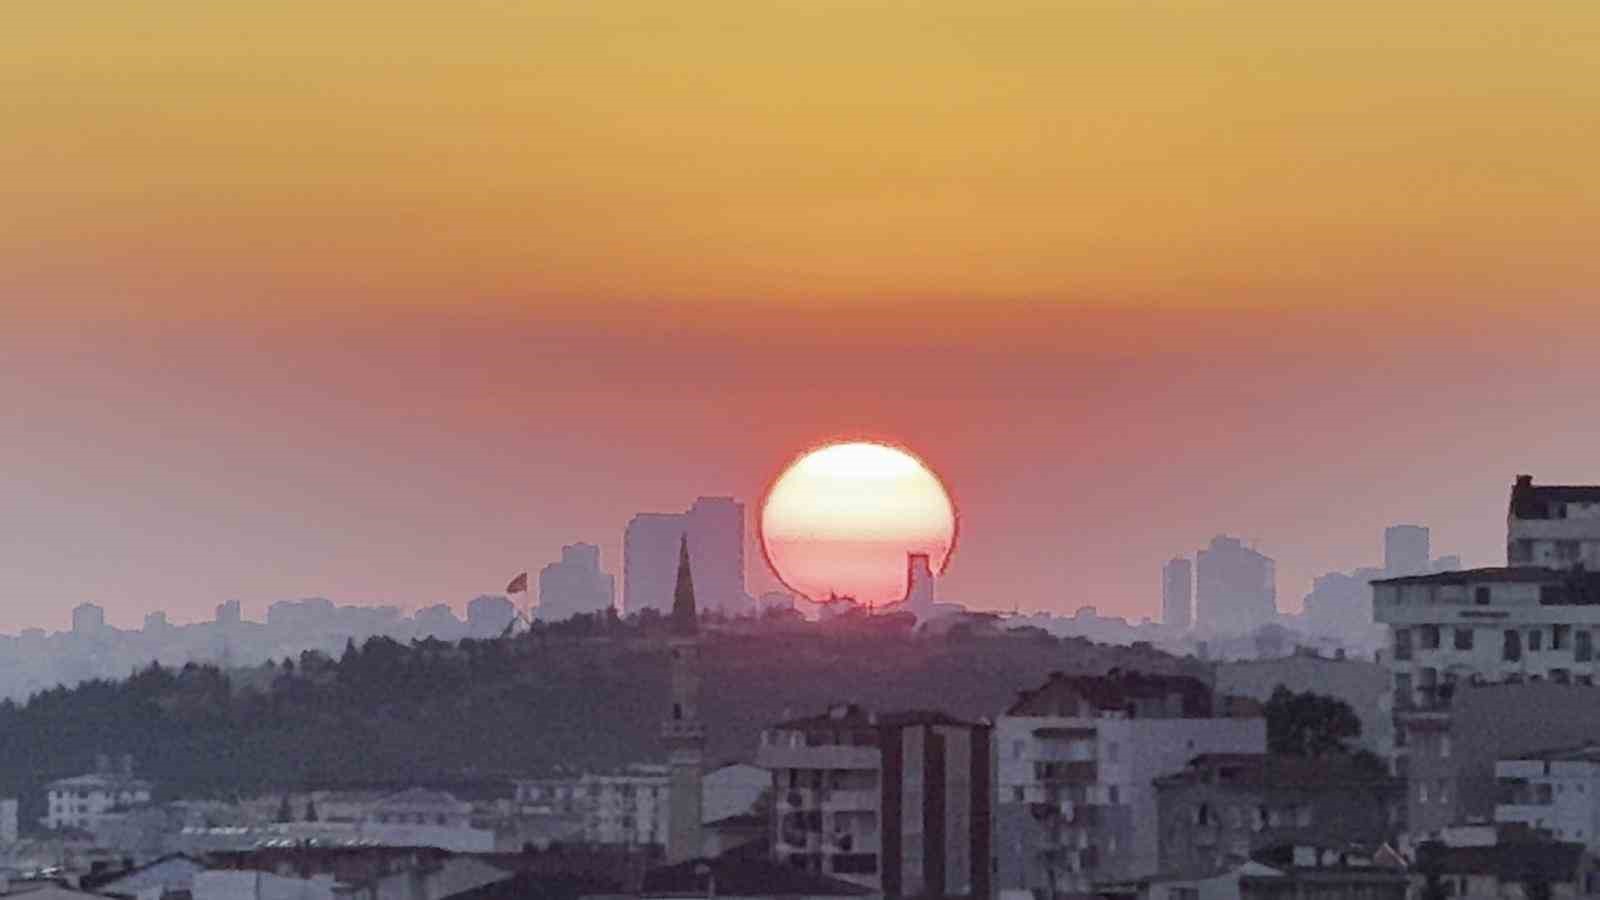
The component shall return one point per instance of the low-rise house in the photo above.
(432, 879)
(164, 877)
(1287, 872)
(1521, 870)
(257, 885)
(743, 878)
(1226, 808)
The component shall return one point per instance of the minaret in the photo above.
(683, 733)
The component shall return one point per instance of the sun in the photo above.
(841, 519)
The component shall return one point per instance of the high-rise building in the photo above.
(683, 732)
(575, 584)
(88, 619)
(715, 529)
(1406, 551)
(1177, 593)
(1235, 587)
(919, 585)
(900, 803)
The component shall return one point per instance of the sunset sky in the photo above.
(385, 302)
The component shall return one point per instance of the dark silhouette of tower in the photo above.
(683, 733)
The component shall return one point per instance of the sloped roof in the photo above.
(1555, 862)
(744, 876)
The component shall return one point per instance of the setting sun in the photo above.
(842, 518)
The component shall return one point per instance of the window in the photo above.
(1016, 794)
(1111, 795)
(1512, 650)
(1444, 746)
(1558, 636)
(1402, 690)
(1480, 596)
(1430, 637)
(1582, 645)
(1016, 749)
(1535, 640)
(1567, 551)
(1463, 638)
(1402, 643)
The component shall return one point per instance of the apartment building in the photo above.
(900, 803)
(1077, 762)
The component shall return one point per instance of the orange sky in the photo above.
(306, 299)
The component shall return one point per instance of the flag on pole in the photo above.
(518, 584)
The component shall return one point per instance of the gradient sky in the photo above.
(387, 301)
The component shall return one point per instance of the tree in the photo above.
(1309, 724)
(285, 814)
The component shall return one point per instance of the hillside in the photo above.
(391, 712)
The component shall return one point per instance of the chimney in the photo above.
(1524, 481)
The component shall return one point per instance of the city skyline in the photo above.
(281, 319)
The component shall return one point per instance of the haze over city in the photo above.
(286, 318)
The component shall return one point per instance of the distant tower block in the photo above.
(919, 585)
(683, 733)
(1406, 551)
(1177, 593)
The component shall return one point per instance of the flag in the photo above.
(518, 584)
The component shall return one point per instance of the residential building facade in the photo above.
(1222, 809)
(899, 803)
(81, 802)
(1077, 761)
(1555, 792)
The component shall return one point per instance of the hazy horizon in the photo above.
(386, 309)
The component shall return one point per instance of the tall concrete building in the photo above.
(715, 528)
(1406, 551)
(900, 803)
(1235, 587)
(1452, 636)
(919, 585)
(683, 732)
(1076, 762)
(88, 619)
(575, 584)
(1177, 593)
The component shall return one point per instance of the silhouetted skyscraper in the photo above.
(88, 619)
(715, 528)
(1406, 551)
(489, 615)
(1235, 587)
(1177, 593)
(919, 585)
(575, 584)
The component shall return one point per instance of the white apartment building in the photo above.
(1536, 619)
(629, 808)
(1557, 791)
(1077, 761)
(81, 802)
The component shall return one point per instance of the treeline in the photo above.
(587, 693)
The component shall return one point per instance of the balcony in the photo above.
(1067, 772)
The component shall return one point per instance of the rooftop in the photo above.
(1535, 501)
(1116, 690)
(1586, 752)
(1278, 770)
(1494, 575)
(744, 876)
(1555, 862)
